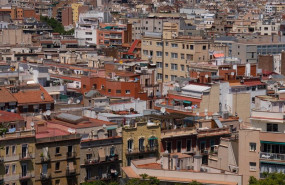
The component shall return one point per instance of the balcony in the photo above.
(70, 172)
(272, 156)
(25, 176)
(175, 108)
(178, 132)
(45, 176)
(71, 155)
(141, 150)
(45, 159)
(213, 132)
(109, 159)
(25, 157)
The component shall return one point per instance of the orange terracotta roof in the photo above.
(150, 166)
(219, 55)
(6, 96)
(9, 117)
(33, 96)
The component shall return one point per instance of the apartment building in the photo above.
(141, 139)
(57, 155)
(18, 155)
(101, 156)
(173, 54)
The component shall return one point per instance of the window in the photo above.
(188, 145)
(7, 169)
(150, 52)
(174, 55)
(191, 47)
(173, 77)
(159, 76)
(182, 67)
(159, 54)
(189, 57)
(169, 146)
(179, 146)
(166, 76)
(174, 45)
(252, 147)
(252, 166)
(182, 56)
(166, 43)
(183, 46)
(110, 133)
(128, 91)
(13, 168)
(118, 91)
(145, 52)
(159, 44)
(109, 90)
(253, 99)
(7, 150)
(57, 182)
(204, 47)
(158, 64)
(141, 144)
(130, 144)
(88, 156)
(166, 53)
(173, 66)
(57, 165)
(89, 39)
(13, 149)
(57, 150)
(166, 64)
(272, 127)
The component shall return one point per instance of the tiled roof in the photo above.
(33, 96)
(6, 96)
(9, 117)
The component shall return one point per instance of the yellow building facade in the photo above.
(17, 158)
(173, 54)
(140, 140)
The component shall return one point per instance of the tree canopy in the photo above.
(270, 179)
(56, 25)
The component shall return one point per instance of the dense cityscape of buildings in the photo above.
(112, 90)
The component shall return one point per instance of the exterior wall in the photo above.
(246, 156)
(265, 62)
(75, 12)
(140, 130)
(63, 157)
(25, 137)
(151, 47)
(210, 102)
(14, 37)
(67, 18)
(241, 105)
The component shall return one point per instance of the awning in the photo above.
(111, 128)
(188, 102)
(270, 142)
(271, 162)
(152, 138)
(102, 155)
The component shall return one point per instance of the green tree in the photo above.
(56, 25)
(269, 179)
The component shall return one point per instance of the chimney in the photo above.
(197, 162)
(165, 161)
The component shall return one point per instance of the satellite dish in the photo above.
(162, 110)
(206, 76)
(197, 114)
(32, 124)
(77, 101)
(48, 112)
(104, 126)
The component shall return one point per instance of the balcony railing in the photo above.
(71, 154)
(45, 176)
(272, 156)
(178, 108)
(96, 161)
(70, 172)
(25, 176)
(142, 150)
(45, 159)
(27, 156)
